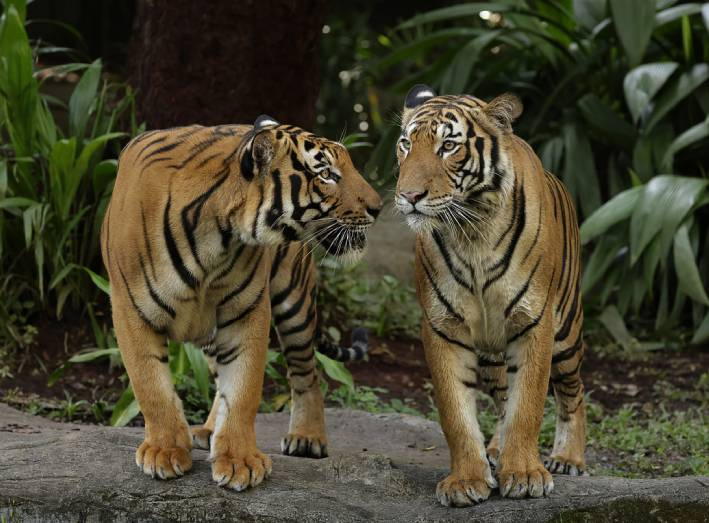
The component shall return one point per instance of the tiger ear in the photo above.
(260, 149)
(417, 95)
(504, 110)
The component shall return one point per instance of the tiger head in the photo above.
(308, 190)
(452, 166)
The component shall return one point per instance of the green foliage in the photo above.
(616, 100)
(54, 183)
(652, 248)
(384, 305)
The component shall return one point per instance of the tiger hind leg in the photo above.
(201, 435)
(567, 456)
(293, 299)
(493, 373)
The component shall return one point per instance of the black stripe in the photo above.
(225, 357)
(569, 353)
(449, 263)
(296, 329)
(509, 252)
(151, 290)
(189, 224)
(149, 144)
(185, 275)
(246, 281)
(536, 320)
(566, 326)
(293, 309)
(536, 236)
(522, 291)
(440, 296)
(248, 310)
(140, 312)
(447, 338)
(148, 246)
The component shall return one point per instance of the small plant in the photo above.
(385, 305)
(54, 182)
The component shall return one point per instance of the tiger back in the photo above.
(497, 274)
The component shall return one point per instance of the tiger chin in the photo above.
(208, 239)
(497, 277)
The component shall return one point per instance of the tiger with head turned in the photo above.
(207, 238)
(497, 274)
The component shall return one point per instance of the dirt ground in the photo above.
(395, 364)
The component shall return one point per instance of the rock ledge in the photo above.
(382, 468)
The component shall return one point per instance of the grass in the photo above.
(629, 442)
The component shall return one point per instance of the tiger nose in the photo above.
(413, 196)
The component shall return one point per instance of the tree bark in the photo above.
(226, 61)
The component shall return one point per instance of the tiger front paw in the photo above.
(455, 491)
(241, 469)
(163, 462)
(304, 445)
(521, 478)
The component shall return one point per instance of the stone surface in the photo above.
(382, 468)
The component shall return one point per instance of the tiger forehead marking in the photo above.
(497, 276)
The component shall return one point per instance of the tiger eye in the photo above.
(449, 145)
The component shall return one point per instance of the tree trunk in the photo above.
(226, 61)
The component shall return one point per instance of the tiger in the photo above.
(207, 239)
(497, 267)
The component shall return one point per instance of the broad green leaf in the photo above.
(676, 91)
(690, 136)
(456, 76)
(678, 11)
(20, 5)
(453, 13)
(62, 274)
(83, 98)
(589, 13)
(551, 154)
(662, 206)
(125, 409)
(94, 355)
(335, 370)
(686, 267)
(579, 171)
(613, 322)
(642, 83)
(648, 149)
(200, 368)
(16, 202)
(609, 249)
(634, 21)
(100, 282)
(613, 211)
(606, 121)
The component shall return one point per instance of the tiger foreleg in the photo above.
(470, 480)
(165, 452)
(520, 471)
(240, 357)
